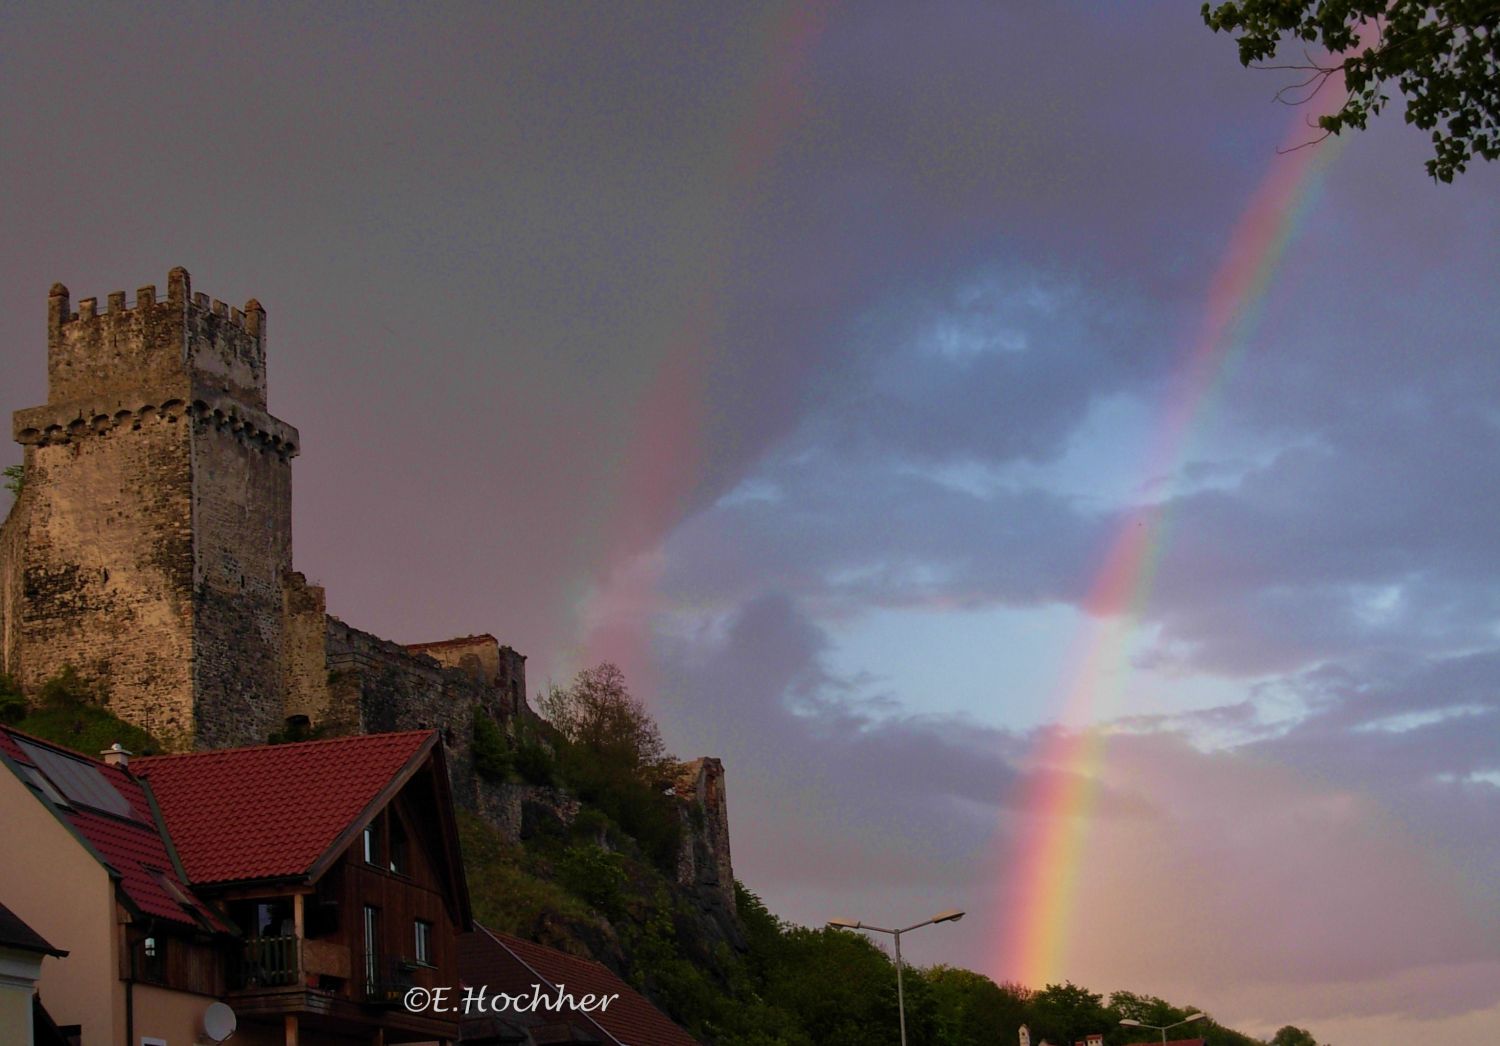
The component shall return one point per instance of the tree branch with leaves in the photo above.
(1443, 57)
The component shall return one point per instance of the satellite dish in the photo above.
(219, 1022)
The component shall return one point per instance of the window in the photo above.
(398, 862)
(372, 949)
(424, 942)
(372, 842)
(152, 966)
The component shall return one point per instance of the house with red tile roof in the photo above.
(339, 862)
(98, 879)
(518, 992)
(308, 886)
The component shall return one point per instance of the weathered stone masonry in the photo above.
(149, 543)
(151, 550)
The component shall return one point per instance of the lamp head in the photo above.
(950, 916)
(1132, 1023)
(1194, 1017)
(844, 924)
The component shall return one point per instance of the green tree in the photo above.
(839, 985)
(1443, 56)
(15, 478)
(1147, 1009)
(1290, 1035)
(599, 713)
(1067, 1012)
(492, 756)
(969, 1009)
(611, 754)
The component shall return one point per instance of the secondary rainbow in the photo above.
(660, 453)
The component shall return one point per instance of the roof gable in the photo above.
(278, 811)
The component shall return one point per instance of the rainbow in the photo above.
(1043, 859)
(659, 460)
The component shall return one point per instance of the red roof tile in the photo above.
(127, 839)
(272, 811)
(511, 965)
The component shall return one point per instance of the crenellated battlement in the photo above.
(179, 293)
(184, 344)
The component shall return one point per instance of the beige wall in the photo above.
(65, 895)
(176, 1017)
(18, 973)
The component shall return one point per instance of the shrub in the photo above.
(595, 876)
(534, 761)
(67, 690)
(12, 704)
(492, 756)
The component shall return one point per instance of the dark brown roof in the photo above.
(14, 933)
(509, 964)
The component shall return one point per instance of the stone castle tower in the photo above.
(149, 544)
(150, 550)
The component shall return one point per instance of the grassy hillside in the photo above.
(69, 713)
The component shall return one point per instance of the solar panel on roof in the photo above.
(80, 781)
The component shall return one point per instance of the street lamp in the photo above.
(854, 924)
(1157, 1027)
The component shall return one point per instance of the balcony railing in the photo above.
(269, 962)
(385, 978)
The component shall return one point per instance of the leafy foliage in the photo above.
(594, 875)
(505, 889)
(611, 754)
(15, 478)
(1066, 1013)
(604, 884)
(533, 760)
(12, 704)
(971, 1008)
(1443, 55)
(598, 713)
(68, 711)
(492, 756)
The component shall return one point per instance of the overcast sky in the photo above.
(807, 362)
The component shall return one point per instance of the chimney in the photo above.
(116, 755)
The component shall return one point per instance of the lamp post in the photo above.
(1157, 1027)
(854, 924)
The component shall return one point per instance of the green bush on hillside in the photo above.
(70, 712)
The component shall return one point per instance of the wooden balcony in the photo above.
(268, 962)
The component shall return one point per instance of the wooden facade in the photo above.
(309, 953)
